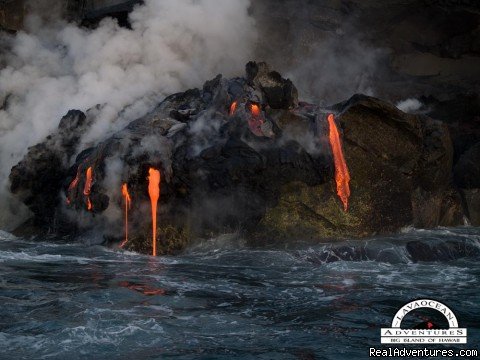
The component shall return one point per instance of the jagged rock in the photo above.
(36, 180)
(400, 167)
(244, 155)
(279, 93)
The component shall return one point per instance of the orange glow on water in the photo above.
(233, 107)
(142, 288)
(89, 205)
(127, 200)
(154, 193)
(342, 176)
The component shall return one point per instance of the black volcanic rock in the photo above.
(36, 180)
(467, 169)
(400, 167)
(244, 155)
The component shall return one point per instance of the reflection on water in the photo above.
(64, 301)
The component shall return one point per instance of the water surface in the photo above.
(218, 301)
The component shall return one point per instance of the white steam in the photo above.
(173, 45)
(409, 105)
(336, 68)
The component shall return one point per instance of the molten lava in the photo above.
(342, 176)
(88, 188)
(256, 121)
(88, 182)
(73, 185)
(233, 107)
(154, 192)
(255, 110)
(128, 200)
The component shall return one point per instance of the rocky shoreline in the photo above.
(245, 155)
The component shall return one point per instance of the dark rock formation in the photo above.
(400, 166)
(36, 180)
(467, 177)
(244, 154)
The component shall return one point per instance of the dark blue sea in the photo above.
(221, 300)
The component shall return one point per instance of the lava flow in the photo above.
(256, 121)
(88, 187)
(233, 107)
(342, 176)
(73, 185)
(154, 192)
(128, 200)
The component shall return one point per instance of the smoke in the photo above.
(55, 66)
(322, 47)
(409, 105)
(337, 68)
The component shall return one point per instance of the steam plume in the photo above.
(173, 45)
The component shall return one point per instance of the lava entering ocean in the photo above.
(342, 176)
(256, 121)
(154, 193)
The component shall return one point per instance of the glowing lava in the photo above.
(255, 110)
(73, 185)
(88, 188)
(256, 121)
(233, 107)
(342, 176)
(128, 200)
(154, 192)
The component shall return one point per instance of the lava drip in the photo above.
(128, 201)
(233, 107)
(154, 193)
(73, 185)
(342, 176)
(256, 120)
(88, 188)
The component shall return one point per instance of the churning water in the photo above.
(72, 301)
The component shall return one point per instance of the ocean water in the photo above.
(221, 301)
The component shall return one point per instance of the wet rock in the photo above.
(444, 251)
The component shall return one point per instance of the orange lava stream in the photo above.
(233, 107)
(342, 176)
(73, 185)
(88, 188)
(88, 182)
(128, 200)
(255, 110)
(154, 192)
